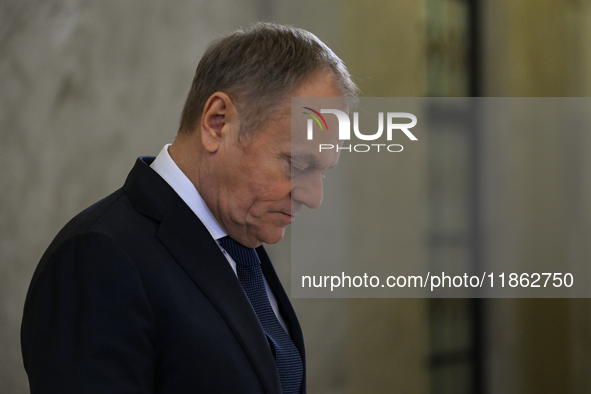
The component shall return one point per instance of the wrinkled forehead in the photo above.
(315, 128)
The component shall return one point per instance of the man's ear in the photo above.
(218, 119)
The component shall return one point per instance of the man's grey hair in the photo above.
(258, 67)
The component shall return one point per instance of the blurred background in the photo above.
(87, 86)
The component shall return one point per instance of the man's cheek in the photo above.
(272, 193)
(280, 189)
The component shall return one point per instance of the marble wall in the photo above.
(86, 87)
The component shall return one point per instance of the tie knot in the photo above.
(242, 255)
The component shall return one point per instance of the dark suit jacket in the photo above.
(134, 296)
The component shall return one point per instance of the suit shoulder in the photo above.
(113, 216)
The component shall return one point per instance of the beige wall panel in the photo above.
(537, 48)
(384, 48)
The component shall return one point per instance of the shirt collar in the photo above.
(165, 166)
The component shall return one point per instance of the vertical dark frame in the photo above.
(475, 86)
(478, 304)
(474, 355)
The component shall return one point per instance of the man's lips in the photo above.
(288, 216)
(289, 213)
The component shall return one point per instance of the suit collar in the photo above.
(194, 249)
(148, 192)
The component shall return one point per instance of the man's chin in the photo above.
(255, 239)
(274, 236)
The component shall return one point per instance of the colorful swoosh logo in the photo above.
(316, 117)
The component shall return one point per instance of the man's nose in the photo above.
(307, 189)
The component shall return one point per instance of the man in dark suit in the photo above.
(157, 288)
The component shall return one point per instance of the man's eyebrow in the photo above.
(311, 159)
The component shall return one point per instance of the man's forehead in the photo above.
(311, 127)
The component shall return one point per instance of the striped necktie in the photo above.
(288, 359)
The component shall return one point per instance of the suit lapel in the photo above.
(189, 242)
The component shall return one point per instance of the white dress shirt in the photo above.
(165, 166)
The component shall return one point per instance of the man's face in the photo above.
(263, 181)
